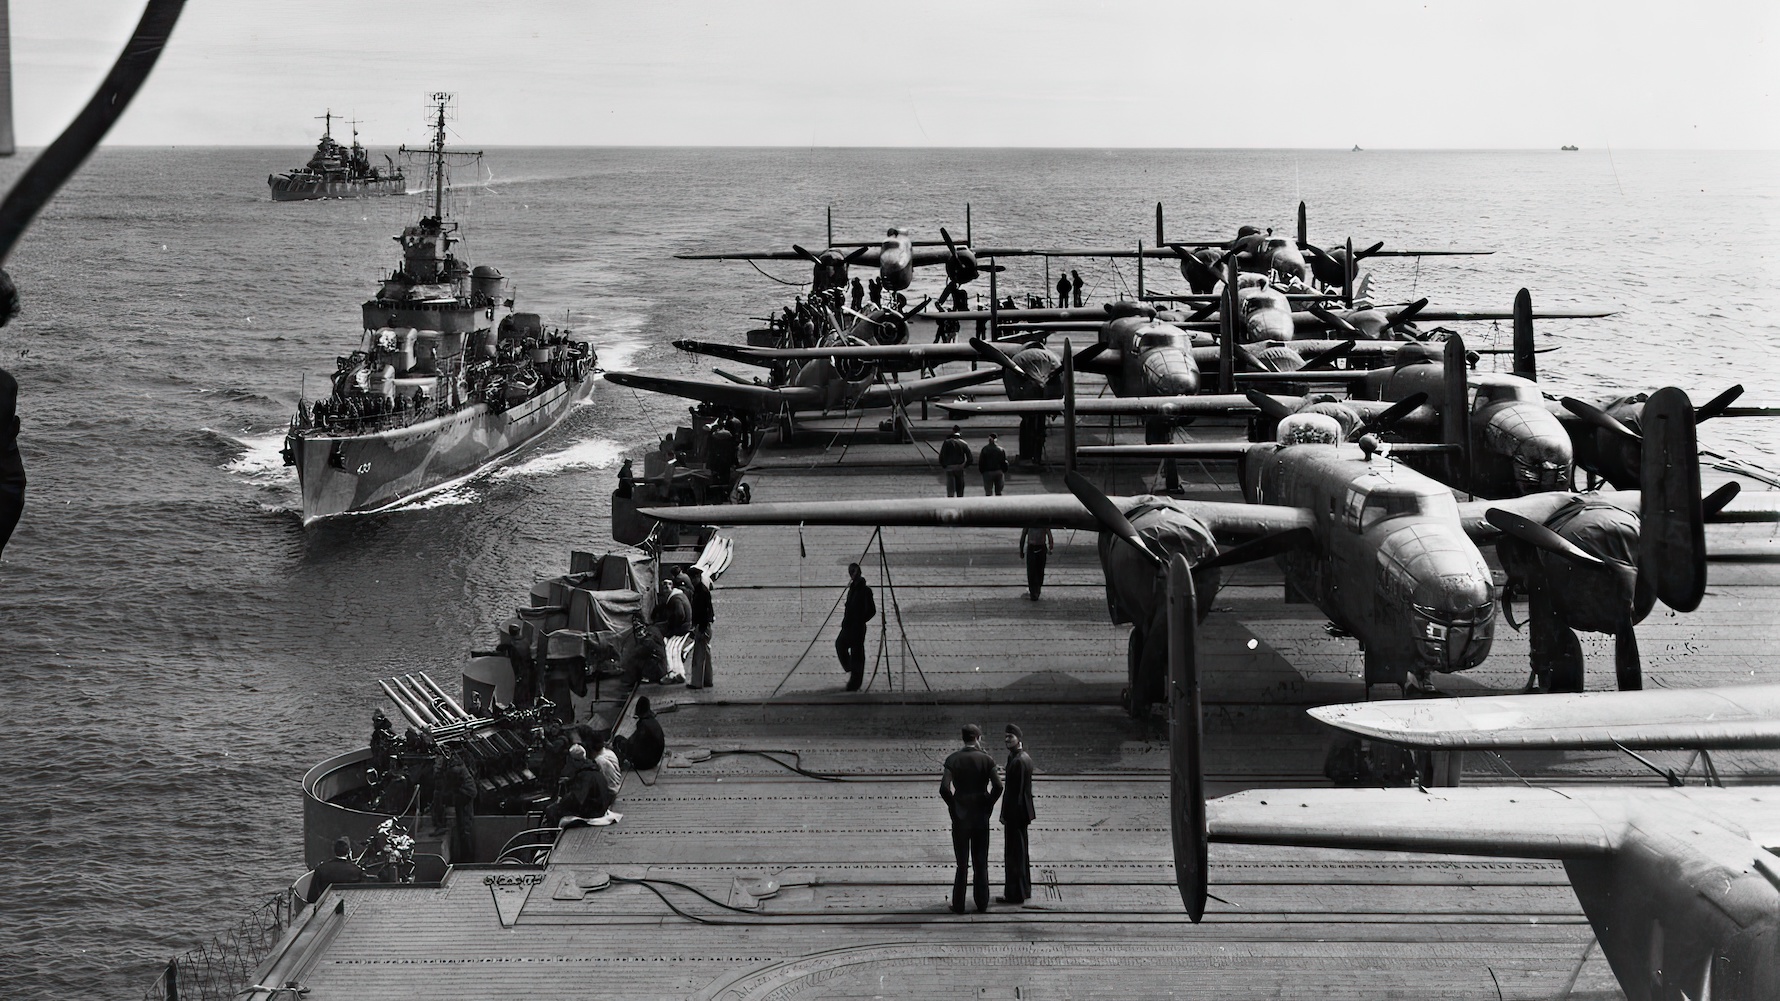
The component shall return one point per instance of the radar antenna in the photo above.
(436, 153)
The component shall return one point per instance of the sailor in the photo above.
(860, 609)
(460, 785)
(1036, 543)
(579, 789)
(523, 662)
(1017, 816)
(339, 869)
(876, 291)
(1075, 286)
(955, 457)
(698, 672)
(720, 455)
(1062, 291)
(611, 775)
(642, 750)
(858, 294)
(674, 610)
(627, 479)
(993, 464)
(384, 743)
(970, 787)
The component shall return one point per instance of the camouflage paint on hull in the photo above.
(287, 189)
(376, 471)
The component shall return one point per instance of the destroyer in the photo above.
(446, 378)
(336, 171)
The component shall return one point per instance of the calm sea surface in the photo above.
(177, 650)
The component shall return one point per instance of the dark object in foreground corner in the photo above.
(12, 471)
(38, 185)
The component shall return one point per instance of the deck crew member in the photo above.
(676, 610)
(860, 609)
(970, 788)
(876, 291)
(522, 660)
(642, 750)
(955, 457)
(1075, 285)
(460, 785)
(1062, 291)
(720, 451)
(1036, 543)
(339, 869)
(698, 672)
(579, 791)
(858, 291)
(992, 461)
(611, 774)
(627, 480)
(1017, 815)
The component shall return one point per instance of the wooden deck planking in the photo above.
(1107, 922)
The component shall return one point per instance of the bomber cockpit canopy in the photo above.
(1506, 389)
(1372, 499)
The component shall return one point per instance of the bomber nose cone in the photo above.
(1169, 372)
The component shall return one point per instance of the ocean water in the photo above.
(177, 650)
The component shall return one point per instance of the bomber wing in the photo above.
(1149, 406)
(1736, 716)
(756, 399)
(1226, 520)
(1510, 822)
(915, 354)
(744, 255)
(911, 390)
(1307, 320)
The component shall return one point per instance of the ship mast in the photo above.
(436, 153)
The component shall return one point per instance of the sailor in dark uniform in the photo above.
(970, 788)
(339, 869)
(1017, 816)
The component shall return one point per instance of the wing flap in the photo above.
(1501, 822)
(1740, 716)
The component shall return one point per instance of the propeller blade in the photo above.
(1268, 405)
(951, 247)
(1186, 765)
(1159, 226)
(854, 257)
(1392, 414)
(805, 254)
(1108, 514)
(1340, 323)
(1626, 663)
(1715, 501)
(1327, 357)
(1406, 314)
(1599, 418)
(1314, 250)
(1534, 534)
(1251, 361)
(1203, 312)
(919, 306)
(945, 294)
(1266, 547)
(988, 353)
(1360, 255)
(1717, 404)
(1090, 352)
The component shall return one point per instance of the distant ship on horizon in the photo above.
(1569, 149)
(336, 171)
(1357, 148)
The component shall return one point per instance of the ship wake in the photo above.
(594, 453)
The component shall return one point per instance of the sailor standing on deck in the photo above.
(954, 456)
(860, 609)
(970, 788)
(1036, 543)
(698, 672)
(992, 461)
(1062, 291)
(1017, 815)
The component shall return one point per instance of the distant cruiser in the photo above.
(336, 171)
(445, 381)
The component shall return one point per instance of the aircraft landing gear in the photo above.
(1379, 672)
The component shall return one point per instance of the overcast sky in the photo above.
(958, 73)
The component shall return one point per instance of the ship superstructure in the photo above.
(445, 380)
(336, 171)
